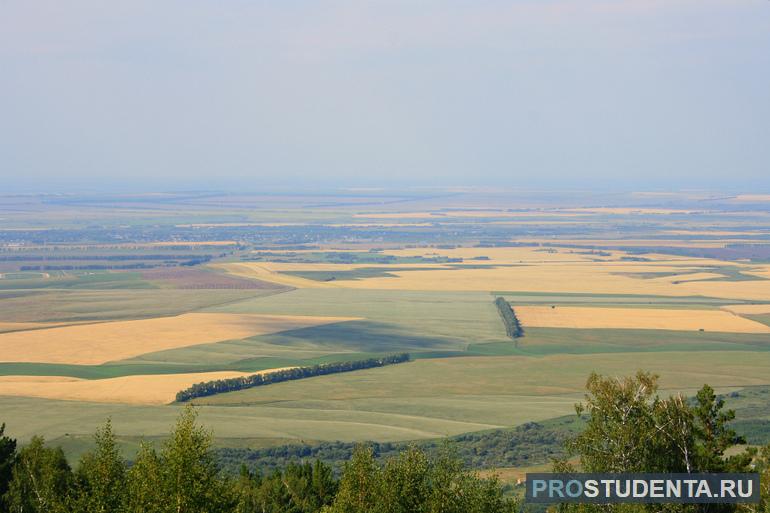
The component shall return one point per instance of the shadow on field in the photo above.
(363, 336)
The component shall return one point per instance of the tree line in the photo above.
(512, 325)
(220, 386)
(528, 444)
(183, 477)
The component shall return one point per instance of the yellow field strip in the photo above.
(533, 269)
(261, 271)
(143, 389)
(93, 344)
(636, 318)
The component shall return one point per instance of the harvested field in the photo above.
(92, 344)
(152, 389)
(177, 278)
(532, 269)
(636, 318)
(260, 271)
(497, 255)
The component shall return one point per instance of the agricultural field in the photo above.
(163, 292)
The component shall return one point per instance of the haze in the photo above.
(244, 95)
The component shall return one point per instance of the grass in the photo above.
(422, 399)
(468, 316)
(763, 318)
(81, 280)
(577, 341)
(331, 340)
(354, 274)
(502, 390)
(752, 413)
(115, 304)
(80, 418)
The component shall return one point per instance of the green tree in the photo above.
(630, 429)
(358, 489)
(714, 436)
(7, 460)
(620, 430)
(246, 490)
(405, 486)
(144, 483)
(761, 466)
(41, 480)
(413, 483)
(455, 490)
(190, 472)
(323, 485)
(101, 476)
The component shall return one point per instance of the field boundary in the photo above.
(221, 386)
(512, 325)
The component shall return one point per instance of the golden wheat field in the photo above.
(636, 318)
(532, 269)
(94, 344)
(564, 278)
(647, 243)
(137, 389)
(748, 309)
(263, 271)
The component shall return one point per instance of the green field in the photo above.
(423, 399)
(467, 375)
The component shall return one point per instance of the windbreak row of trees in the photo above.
(512, 325)
(183, 477)
(220, 386)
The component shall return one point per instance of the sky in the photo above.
(253, 95)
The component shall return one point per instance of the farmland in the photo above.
(156, 295)
(93, 344)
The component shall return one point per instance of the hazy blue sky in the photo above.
(157, 94)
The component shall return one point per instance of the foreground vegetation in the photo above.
(184, 477)
(628, 428)
(524, 445)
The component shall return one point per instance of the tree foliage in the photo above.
(630, 428)
(101, 476)
(7, 460)
(512, 325)
(42, 481)
(413, 483)
(220, 386)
